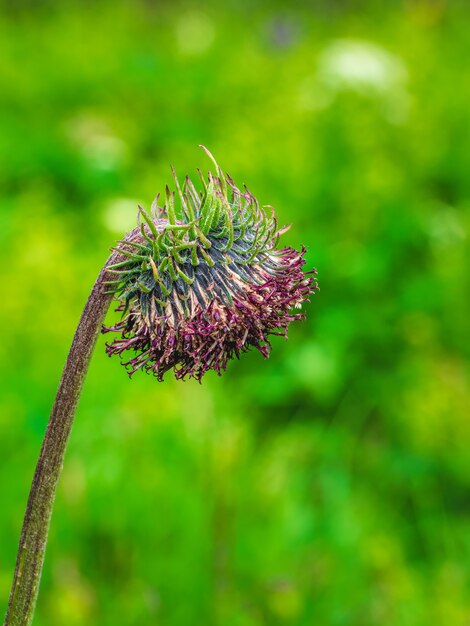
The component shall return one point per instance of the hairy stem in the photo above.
(36, 522)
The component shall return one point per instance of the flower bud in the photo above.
(205, 281)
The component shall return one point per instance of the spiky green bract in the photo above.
(205, 281)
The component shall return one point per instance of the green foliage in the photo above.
(328, 485)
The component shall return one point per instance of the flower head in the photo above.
(205, 281)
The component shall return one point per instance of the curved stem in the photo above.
(41, 498)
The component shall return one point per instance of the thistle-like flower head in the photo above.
(205, 281)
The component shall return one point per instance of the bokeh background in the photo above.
(331, 484)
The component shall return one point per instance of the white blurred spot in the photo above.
(93, 137)
(446, 227)
(195, 32)
(362, 67)
(120, 215)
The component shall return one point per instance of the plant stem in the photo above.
(36, 522)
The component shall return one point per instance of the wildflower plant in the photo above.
(206, 282)
(199, 281)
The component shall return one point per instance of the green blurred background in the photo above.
(329, 485)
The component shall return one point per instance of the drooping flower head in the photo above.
(205, 281)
